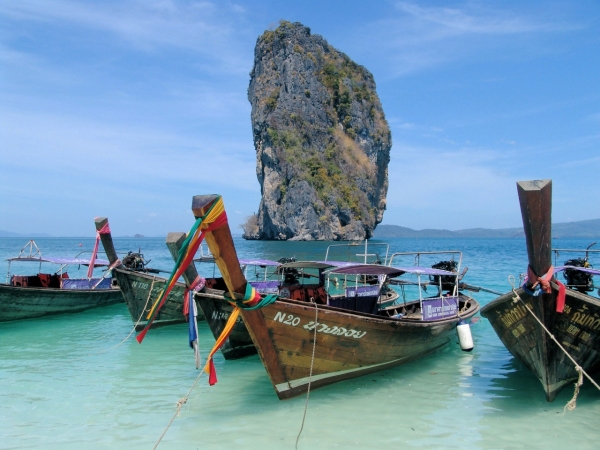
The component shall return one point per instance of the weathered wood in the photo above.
(535, 198)
(107, 242)
(221, 246)
(174, 243)
(28, 302)
(577, 328)
(349, 344)
(140, 290)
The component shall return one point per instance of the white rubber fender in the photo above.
(465, 339)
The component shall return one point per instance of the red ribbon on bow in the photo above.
(544, 282)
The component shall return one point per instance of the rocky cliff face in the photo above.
(321, 138)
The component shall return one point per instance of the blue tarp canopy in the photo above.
(69, 261)
(367, 269)
(258, 262)
(416, 270)
(581, 269)
(306, 265)
(376, 269)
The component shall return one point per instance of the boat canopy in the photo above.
(376, 269)
(342, 263)
(258, 262)
(62, 261)
(306, 265)
(581, 269)
(367, 269)
(416, 270)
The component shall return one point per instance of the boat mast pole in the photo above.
(107, 241)
(535, 198)
(174, 243)
(220, 243)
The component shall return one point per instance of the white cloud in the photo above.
(421, 37)
(204, 28)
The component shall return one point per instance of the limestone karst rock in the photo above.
(321, 138)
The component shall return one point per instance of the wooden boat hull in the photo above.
(140, 290)
(217, 311)
(577, 329)
(239, 343)
(29, 302)
(348, 344)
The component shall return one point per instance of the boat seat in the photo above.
(45, 279)
(317, 295)
(298, 294)
(26, 281)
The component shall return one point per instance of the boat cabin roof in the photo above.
(581, 269)
(53, 260)
(306, 265)
(376, 269)
(258, 262)
(367, 269)
(416, 270)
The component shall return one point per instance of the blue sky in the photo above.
(127, 109)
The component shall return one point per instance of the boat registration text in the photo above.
(294, 321)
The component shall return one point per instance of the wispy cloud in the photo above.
(206, 28)
(420, 37)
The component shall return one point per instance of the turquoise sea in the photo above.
(70, 382)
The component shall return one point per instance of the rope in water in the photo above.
(571, 404)
(132, 330)
(182, 401)
(312, 360)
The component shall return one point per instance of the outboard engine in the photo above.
(580, 281)
(135, 261)
(447, 281)
(291, 275)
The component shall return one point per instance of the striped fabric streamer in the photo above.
(104, 230)
(214, 218)
(252, 300)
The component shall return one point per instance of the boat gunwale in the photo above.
(217, 294)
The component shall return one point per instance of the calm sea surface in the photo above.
(66, 383)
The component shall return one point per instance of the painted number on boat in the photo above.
(224, 316)
(139, 285)
(290, 319)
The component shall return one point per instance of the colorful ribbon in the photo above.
(104, 230)
(197, 284)
(544, 286)
(252, 300)
(214, 218)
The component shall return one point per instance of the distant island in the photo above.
(584, 229)
(588, 229)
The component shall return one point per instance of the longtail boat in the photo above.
(525, 319)
(43, 294)
(302, 343)
(140, 289)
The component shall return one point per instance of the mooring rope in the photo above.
(130, 333)
(182, 401)
(571, 404)
(312, 360)
(139, 318)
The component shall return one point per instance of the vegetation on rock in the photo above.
(321, 139)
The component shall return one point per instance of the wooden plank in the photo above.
(220, 243)
(535, 198)
(174, 243)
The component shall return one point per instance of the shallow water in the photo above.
(66, 382)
